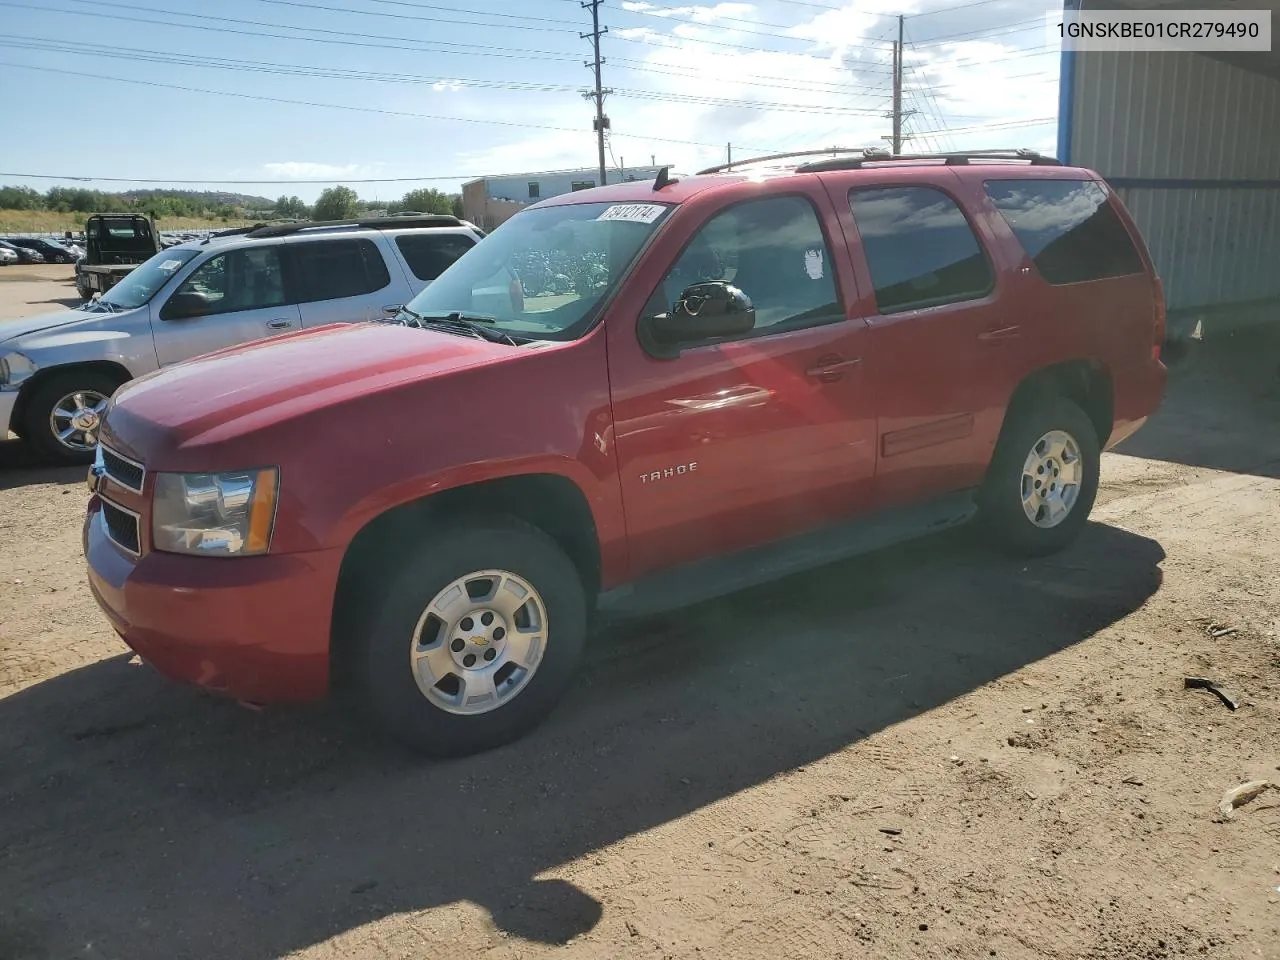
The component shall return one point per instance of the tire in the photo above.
(396, 623)
(38, 429)
(82, 288)
(1001, 501)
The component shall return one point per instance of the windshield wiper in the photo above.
(474, 323)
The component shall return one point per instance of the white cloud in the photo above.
(308, 170)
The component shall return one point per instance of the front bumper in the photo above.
(254, 628)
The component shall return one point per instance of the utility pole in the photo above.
(898, 113)
(601, 123)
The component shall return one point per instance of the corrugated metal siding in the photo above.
(1211, 246)
(1185, 116)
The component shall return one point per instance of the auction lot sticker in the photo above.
(633, 212)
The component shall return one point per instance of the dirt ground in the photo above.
(934, 752)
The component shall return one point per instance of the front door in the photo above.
(739, 442)
(232, 298)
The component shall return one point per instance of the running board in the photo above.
(717, 576)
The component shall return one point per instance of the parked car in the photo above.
(58, 369)
(24, 254)
(709, 383)
(8, 256)
(51, 250)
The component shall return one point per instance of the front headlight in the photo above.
(14, 369)
(215, 514)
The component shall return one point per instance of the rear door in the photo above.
(341, 280)
(240, 296)
(941, 321)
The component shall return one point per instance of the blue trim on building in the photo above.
(1167, 183)
(1067, 94)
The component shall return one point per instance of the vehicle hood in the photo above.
(174, 418)
(44, 322)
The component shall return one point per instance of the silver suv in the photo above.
(58, 370)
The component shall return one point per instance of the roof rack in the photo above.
(779, 156)
(368, 223)
(957, 158)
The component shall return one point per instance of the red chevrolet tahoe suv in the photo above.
(625, 398)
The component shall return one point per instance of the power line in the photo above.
(341, 106)
(135, 55)
(476, 50)
(97, 179)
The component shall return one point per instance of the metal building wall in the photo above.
(1192, 145)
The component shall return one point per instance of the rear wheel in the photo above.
(474, 640)
(1043, 478)
(65, 414)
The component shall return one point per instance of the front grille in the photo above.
(122, 527)
(122, 470)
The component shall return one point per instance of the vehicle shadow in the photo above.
(20, 466)
(147, 820)
(1221, 407)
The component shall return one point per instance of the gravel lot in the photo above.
(934, 752)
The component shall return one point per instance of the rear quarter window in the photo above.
(1068, 227)
(428, 255)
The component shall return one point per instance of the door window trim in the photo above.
(932, 302)
(840, 315)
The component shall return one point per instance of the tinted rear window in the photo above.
(429, 254)
(1067, 227)
(334, 269)
(919, 247)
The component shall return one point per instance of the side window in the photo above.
(919, 247)
(773, 251)
(249, 279)
(1067, 227)
(428, 254)
(334, 269)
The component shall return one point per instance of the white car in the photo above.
(59, 370)
(7, 257)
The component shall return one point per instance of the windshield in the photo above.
(544, 273)
(142, 282)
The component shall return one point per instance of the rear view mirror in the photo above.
(183, 306)
(704, 311)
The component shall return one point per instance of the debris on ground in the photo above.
(1239, 796)
(1204, 683)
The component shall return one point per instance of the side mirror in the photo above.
(183, 306)
(704, 311)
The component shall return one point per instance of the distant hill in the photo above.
(204, 198)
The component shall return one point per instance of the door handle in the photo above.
(1004, 333)
(831, 368)
(280, 323)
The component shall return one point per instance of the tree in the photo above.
(290, 207)
(425, 200)
(456, 204)
(336, 203)
(20, 198)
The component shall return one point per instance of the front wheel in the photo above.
(65, 414)
(474, 640)
(1043, 478)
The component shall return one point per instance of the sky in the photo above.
(436, 92)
